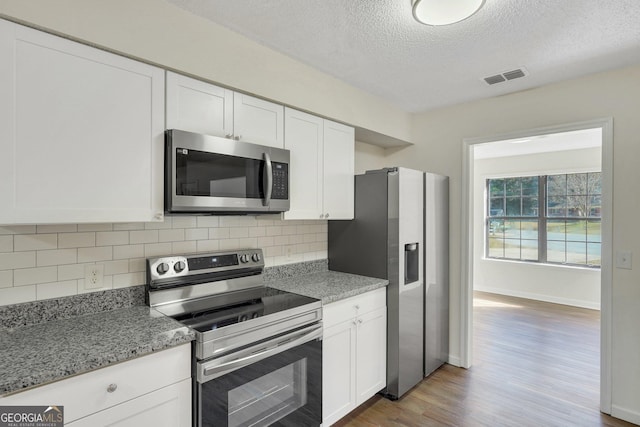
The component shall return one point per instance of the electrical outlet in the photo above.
(624, 259)
(289, 251)
(93, 275)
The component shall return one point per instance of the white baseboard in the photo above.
(455, 361)
(625, 414)
(540, 297)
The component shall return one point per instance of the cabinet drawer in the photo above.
(349, 308)
(86, 394)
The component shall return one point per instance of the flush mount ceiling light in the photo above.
(444, 12)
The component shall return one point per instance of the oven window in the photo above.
(269, 398)
(199, 173)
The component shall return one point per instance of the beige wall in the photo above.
(159, 32)
(439, 139)
(554, 283)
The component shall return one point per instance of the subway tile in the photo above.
(112, 238)
(6, 279)
(321, 237)
(301, 248)
(146, 236)
(127, 280)
(76, 240)
(249, 242)
(219, 233)
(33, 276)
(295, 239)
(274, 230)
(238, 232)
(238, 221)
(280, 240)
(179, 248)
(128, 226)
(264, 222)
(11, 260)
(229, 244)
(184, 222)
(6, 243)
(208, 245)
(128, 251)
(273, 251)
(71, 272)
(266, 241)
(166, 223)
(172, 235)
(196, 234)
(56, 289)
(116, 267)
(207, 221)
(106, 285)
(17, 295)
(309, 238)
(34, 242)
(289, 230)
(18, 229)
(157, 249)
(95, 227)
(137, 265)
(57, 228)
(102, 253)
(257, 232)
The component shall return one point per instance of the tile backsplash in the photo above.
(49, 261)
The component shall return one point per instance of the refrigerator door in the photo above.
(436, 272)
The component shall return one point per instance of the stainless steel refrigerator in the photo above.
(400, 233)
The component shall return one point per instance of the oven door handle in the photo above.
(268, 172)
(222, 365)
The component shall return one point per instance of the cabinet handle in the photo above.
(159, 216)
(354, 323)
(112, 388)
(321, 216)
(357, 307)
(229, 135)
(237, 137)
(359, 321)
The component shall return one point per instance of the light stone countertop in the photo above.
(46, 352)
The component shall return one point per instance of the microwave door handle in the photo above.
(268, 171)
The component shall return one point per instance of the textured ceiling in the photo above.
(377, 46)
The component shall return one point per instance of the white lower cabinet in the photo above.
(354, 353)
(153, 390)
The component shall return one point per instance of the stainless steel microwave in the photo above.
(209, 174)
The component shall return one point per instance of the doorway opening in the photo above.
(526, 244)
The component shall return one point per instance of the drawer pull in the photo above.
(112, 388)
(357, 307)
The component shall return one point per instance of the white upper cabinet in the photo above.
(201, 107)
(82, 132)
(322, 167)
(258, 121)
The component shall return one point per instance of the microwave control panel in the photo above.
(280, 181)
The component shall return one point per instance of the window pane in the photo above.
(594, 206)
(513, 206)
(530, 206)
(576, 253)
(496, 187)
(512, 248)
(512, 229)
(496, 207)
(577, 206)
(513, 187)
(576, 231)
(555, 252)
(557, 185)
(593, 254)
(555, 230)
(594, 231)
(530, 250)
(496, 247)
(529, 230)
(530, 186)
(557, 206)
(594, 184)
(577, 184)
(496, 228)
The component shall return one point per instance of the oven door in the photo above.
(211, 174)
(278, 382)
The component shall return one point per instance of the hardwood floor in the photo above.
(535, 364)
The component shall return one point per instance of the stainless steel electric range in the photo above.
(257, 357)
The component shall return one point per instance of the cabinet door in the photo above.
(168, 407)
(339, 147)
(258, 121)
(304, 135)
(82, 132)
(371, 353)
(338, 371)
(200, 107)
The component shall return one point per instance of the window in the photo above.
(548, 218)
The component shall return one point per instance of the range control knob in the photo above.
(162, 268)
(255, 257)
(179, 266)
(244, 258)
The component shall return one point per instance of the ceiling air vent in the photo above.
(507, 75)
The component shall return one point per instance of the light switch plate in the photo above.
(624, 259)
